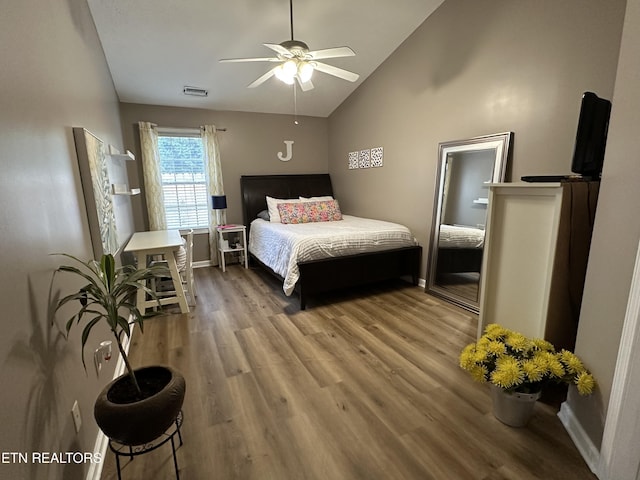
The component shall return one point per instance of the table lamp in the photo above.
(218, 202)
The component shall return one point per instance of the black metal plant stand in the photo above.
(121, 450)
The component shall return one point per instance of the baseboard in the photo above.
(583, 443)
(102, 442)
(95, 470)
(422, 282)
(202, 263)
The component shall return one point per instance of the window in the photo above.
(184, 178)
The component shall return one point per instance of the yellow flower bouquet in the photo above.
(515, 363)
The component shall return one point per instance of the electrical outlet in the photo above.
(75, 413)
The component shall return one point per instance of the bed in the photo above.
(459, 249)
(323, 274)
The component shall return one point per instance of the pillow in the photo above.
(272, 206)
(316, 199)
(264, 215)
(306, 212)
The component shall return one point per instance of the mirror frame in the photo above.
(502, 143)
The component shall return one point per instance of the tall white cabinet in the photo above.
(536, 252)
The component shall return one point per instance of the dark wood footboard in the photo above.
(458, 260)
(330, 274)
(324, 275)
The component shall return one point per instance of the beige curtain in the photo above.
(215, 186)
(152, 176)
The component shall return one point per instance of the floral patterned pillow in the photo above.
(306, 212)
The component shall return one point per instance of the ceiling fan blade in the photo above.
(305, 86)
(262, 59)
(278, 49)
(336, 72)
(332, 53)
(263, 78)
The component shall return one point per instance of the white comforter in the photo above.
(282, 246)
(455, 236)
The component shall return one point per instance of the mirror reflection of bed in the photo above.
(460, 260)
(465, 169)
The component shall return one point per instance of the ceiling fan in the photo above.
(297, 62)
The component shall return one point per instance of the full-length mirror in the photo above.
(465, 168)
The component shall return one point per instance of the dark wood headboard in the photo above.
(254, 189)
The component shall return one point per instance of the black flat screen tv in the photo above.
(591, 137)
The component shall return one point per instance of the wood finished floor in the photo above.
(364, 387)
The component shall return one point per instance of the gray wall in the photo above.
(249, 147)
(475, 68)
(53, 77)
(615, 237)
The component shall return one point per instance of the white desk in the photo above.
(159, 242)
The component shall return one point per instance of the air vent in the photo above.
(195, 91)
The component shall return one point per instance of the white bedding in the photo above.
(455, 236)
(282, 246)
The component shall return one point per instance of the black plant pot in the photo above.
(135, 422)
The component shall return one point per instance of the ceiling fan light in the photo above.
(289, 68)
(282, 76)
(286, 72)
(278, 73)
(305, 70)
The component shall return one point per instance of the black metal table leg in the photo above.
(118, 467)
(175, 460)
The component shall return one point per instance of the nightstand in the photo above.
(232, 238)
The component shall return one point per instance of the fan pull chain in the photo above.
(295, 104)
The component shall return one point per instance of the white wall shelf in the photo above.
(115, 153)
(122, 189)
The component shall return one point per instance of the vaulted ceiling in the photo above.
(154, 48)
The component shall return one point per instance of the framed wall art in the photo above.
(96, 187)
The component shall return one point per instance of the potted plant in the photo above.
(140, 405)
(518, 368)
